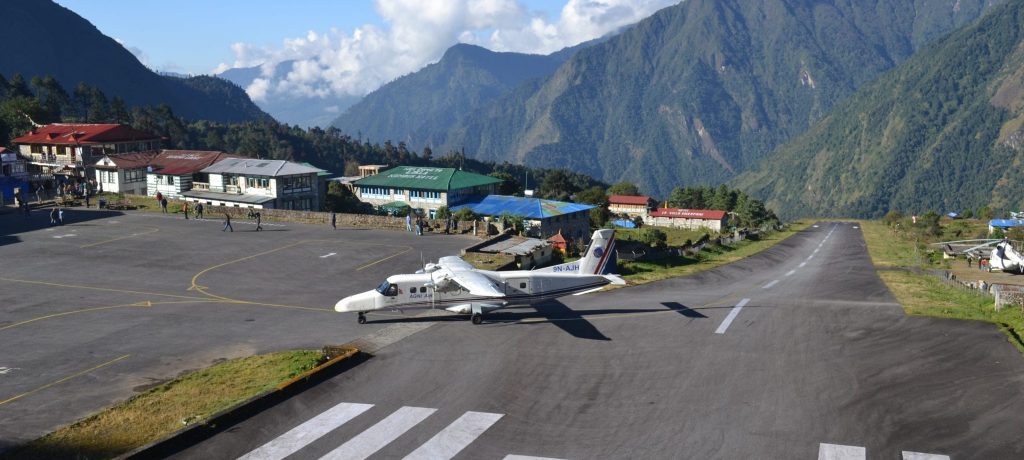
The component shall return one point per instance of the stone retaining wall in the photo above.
(324, 218)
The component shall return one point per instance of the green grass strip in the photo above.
(169, 407)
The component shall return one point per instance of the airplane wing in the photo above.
(471, 280)
(455, 263)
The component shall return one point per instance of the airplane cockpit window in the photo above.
(387, 289)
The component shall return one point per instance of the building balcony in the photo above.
(201, 186)
(233, 189)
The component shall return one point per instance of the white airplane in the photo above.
(455, 285)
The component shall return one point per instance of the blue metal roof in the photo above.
(530, 208)
(1006, 223)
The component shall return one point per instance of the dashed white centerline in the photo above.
(803, 264)
(732, 315)
(328, 255)
(841, 452)
(790, 273)
(769, 285)
(920, 456)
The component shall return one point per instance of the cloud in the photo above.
(136, 51)
(339, 63)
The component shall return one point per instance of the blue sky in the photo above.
(194, 36)
(343, 47)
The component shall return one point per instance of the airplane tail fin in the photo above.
(599, 259)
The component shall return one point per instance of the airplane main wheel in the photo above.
(477, 318)
(362, 318)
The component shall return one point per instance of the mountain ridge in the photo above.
(69, 48)
(941, 132)
(698, 92)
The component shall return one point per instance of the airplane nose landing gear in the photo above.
(362, 318)
(477, 318)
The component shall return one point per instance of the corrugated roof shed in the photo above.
(424, 178)
(515, 245)
(530, 208)
(1007, 223)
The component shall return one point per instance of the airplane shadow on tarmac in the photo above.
(574, 322)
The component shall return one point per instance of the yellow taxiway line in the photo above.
(65, 379)
(204, 289)
(93, 288)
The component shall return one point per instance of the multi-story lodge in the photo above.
(693, 219)
(245, 182)
(73, 149)
(632, 206)
(423, 188)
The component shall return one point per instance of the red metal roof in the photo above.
(131, 160)
(629, 199)
(689, 213)
(179, 162)
(60, 133)
(557, 237)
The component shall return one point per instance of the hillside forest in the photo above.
(44, 100)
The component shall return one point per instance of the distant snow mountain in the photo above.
(292, 109)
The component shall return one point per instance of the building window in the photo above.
(257, 182)
(297, 184)
(423, 195)
(134, 175)
(375, 192)
(35, 148)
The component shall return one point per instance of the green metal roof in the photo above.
(424, 178)
(322, 173)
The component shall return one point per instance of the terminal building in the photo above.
(423, 189)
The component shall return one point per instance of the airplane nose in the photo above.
(363, 301)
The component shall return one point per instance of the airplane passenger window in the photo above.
(423, 289)
(522, 285)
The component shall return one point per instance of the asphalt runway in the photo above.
(799, 352)
(112, 303)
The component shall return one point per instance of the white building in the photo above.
(692, 219)
(173, 172)
(125, 173)
(241, 182)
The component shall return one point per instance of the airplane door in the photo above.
(391, 295)
(517, 286)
